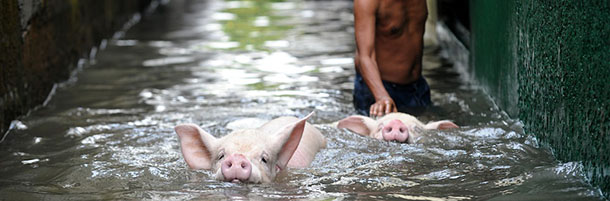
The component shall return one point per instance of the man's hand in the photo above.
(382, 107)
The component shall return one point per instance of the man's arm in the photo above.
(364, 23)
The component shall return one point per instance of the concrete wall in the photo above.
(42, 41)
(548, 64)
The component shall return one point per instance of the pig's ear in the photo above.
(358, 124)
(196, 146)
(288, 138)
(444, 124)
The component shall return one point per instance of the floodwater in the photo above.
(107, 134)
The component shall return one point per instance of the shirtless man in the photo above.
(389, 38)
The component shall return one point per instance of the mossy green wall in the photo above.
(548, 64)
(496, 69)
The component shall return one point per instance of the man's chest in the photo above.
(391, 14)
(394, 16)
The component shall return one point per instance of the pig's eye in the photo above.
(418, 129)
(221, 156)
(264, 160)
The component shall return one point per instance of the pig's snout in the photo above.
(395, 130)
(236, 167)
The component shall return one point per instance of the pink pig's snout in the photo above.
(236, 167)
(395, 130)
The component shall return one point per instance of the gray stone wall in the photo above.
(41, 41)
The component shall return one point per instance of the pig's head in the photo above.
(399, 127)
(249, 155)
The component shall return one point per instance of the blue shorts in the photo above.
(409, 98)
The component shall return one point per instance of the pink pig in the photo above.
(398, 127)
(252, 155)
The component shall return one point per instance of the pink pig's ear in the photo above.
(196, 145)
(444, 124)
(358, 124)
(288, 138)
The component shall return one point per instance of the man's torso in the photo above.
(399, 33)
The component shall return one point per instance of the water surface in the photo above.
(108, 133)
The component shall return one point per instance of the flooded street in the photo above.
(107, 134)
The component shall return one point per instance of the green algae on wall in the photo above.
(495, 69)
(548, 63)
(564, 71)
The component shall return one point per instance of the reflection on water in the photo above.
(235, 64)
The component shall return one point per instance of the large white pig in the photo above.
(396, 126)
(252, 155)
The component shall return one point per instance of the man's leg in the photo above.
(363, 98)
